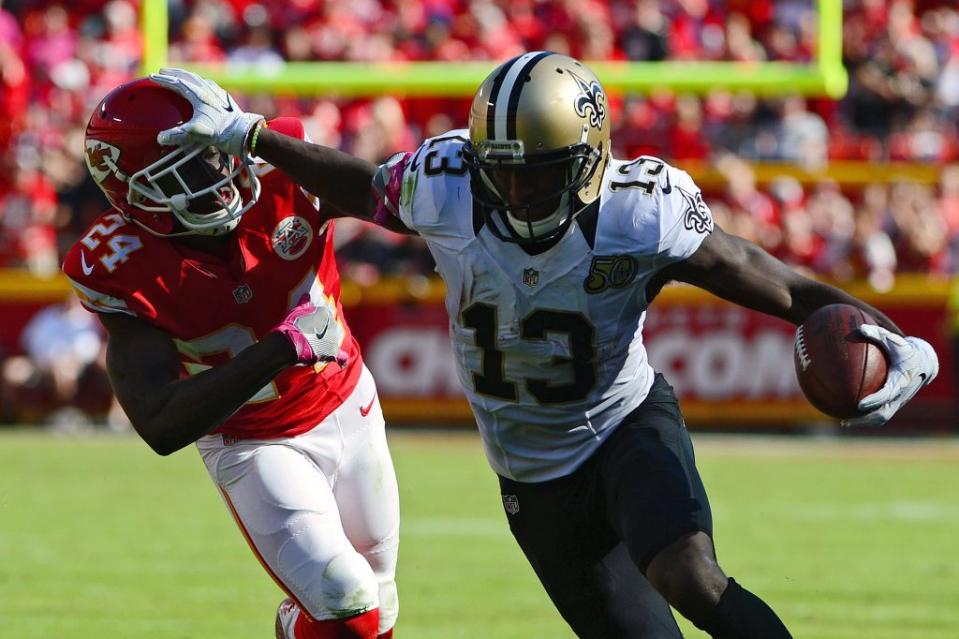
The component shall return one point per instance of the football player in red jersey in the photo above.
(215, 280)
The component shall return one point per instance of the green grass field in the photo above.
(99, 538)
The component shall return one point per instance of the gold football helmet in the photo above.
(539, 142)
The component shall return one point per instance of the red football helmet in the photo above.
(147, 182)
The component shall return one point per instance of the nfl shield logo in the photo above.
(243, 293)
(511, 503)
(530, 277)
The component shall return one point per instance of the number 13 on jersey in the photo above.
(492, 381)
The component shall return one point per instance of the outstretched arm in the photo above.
(739, 271)
(343, 183)
(335, 177)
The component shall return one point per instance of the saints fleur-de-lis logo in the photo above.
(591, 101)
(698, 217)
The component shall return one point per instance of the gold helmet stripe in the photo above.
(502, 106)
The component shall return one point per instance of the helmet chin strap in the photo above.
(543, 226)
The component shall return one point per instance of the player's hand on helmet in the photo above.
(314, 333)
(216, 121)
(912, 365)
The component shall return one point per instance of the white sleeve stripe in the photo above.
(90, 306)
(99, 302)
(312, 199)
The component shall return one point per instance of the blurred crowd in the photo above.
(57, 59)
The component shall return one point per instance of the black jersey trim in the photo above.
(587, 222)
(479, 219)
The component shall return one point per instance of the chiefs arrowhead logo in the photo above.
(101, 159)
(291, 237)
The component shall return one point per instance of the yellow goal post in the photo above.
(824, 76)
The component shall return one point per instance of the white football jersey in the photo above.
(549, 347)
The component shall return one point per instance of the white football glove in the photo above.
(912, 365)
(216, 121)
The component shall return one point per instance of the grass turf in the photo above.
(100, 538)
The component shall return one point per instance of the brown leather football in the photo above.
(835, 365)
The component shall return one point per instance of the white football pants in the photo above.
(321, 510)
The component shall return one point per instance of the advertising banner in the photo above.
(731, 367)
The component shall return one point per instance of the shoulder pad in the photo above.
(291, 127)
(435, 198)
(654, 208)
(97, 264)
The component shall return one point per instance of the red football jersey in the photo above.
(214, 308)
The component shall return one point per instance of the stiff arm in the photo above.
(345, 184)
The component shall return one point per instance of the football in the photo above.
(835, 365)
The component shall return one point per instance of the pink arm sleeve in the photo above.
(388, 183)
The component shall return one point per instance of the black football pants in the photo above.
(590, 535)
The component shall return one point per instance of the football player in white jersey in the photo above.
(551, 251)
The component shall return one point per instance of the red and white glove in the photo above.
(314, 333)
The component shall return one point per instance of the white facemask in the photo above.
(144, 187)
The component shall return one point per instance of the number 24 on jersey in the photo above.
(121, 246)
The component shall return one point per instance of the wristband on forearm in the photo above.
(256, 135)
